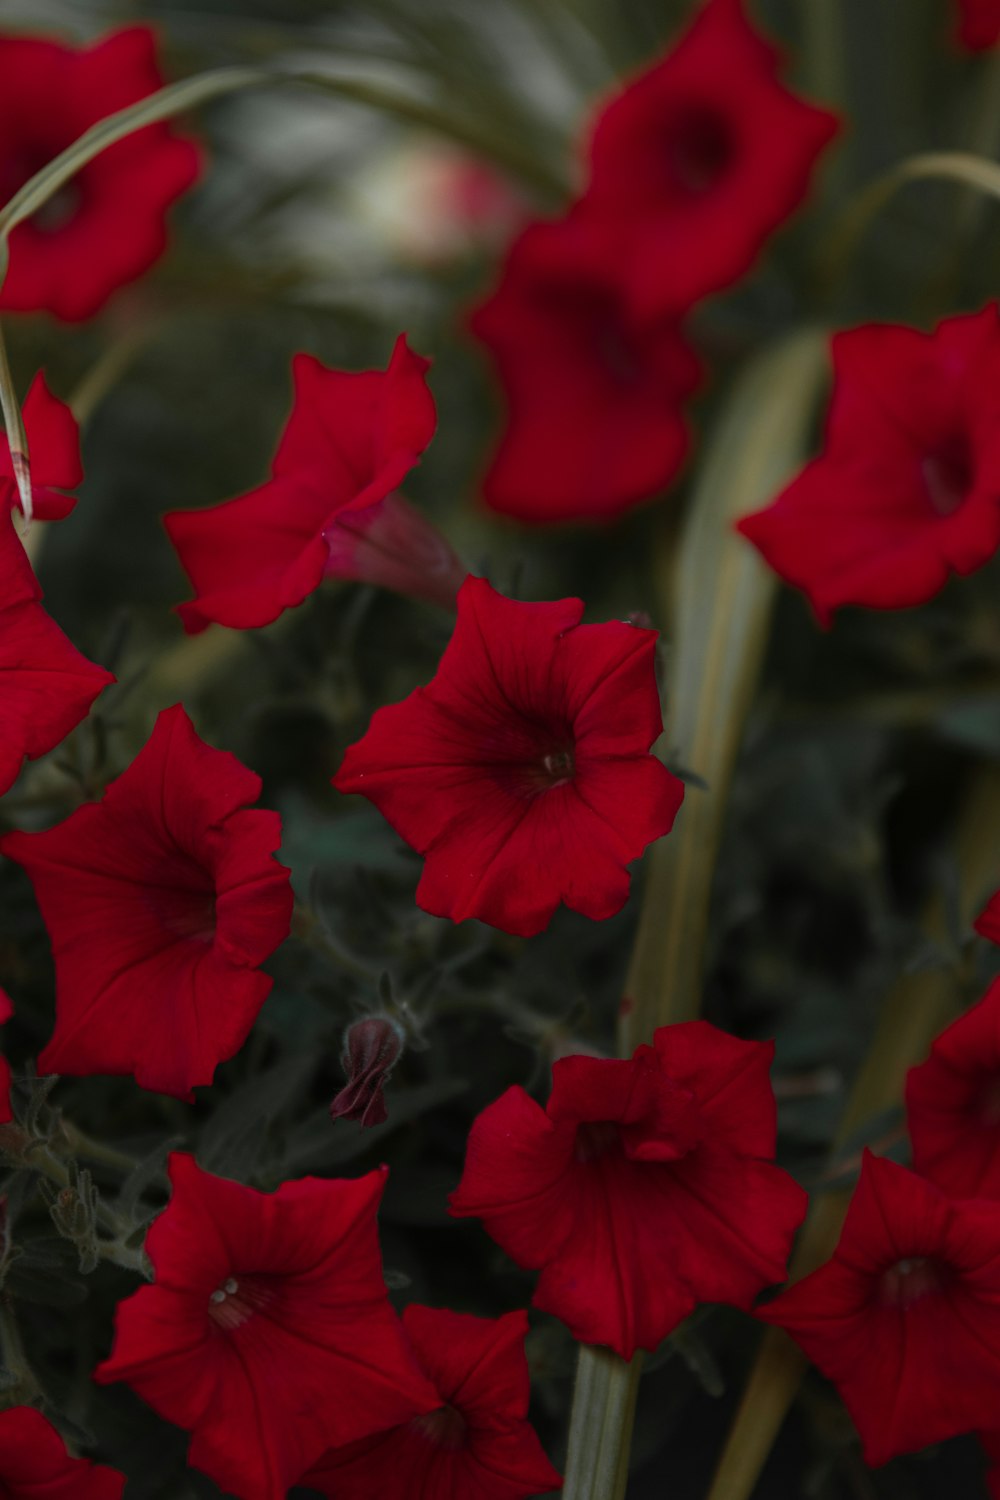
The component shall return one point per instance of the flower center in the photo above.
(948, 474)
(596, 1138)
(445, 1427)
(910, 1279)
(238, 1298)
(700, 151)
(559, 766)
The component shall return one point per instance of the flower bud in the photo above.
(372, 1047)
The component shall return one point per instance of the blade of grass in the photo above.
(718, 598)
(960, 167)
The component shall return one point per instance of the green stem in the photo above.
(600, 1434)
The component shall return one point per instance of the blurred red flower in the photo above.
(54, 446)
(107, 225)
(48, 687)
(477, 1444)
(698, 160)
(162, 901)
(521, 772)
(34, 1464)
(953, 1104)
(907, 489)
(329, 509)
(642, 1189)
(268, 1333)
(979, 24)
(593, 421)
(988, 921)
(905, 1318)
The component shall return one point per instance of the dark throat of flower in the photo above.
(700, 151)
(234, 1302)
(445, 1428)
(909, 1280)
(949, 473)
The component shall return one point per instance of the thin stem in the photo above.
(597, 1463)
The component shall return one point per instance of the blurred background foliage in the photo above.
(324, 226)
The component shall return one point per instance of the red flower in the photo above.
(107, 225)
(988, 921)
(477, 1445)
(162, 901)
(372, 1047)
(699, 159)
(48, 686)
(521, 772)
(905, 1319)
(329, 509)
(594, 422)
(268, 1333)
(54, 446)
(953, 1105)
(979, 24)
(907, 489)
(642, 1189)
(34, 1464)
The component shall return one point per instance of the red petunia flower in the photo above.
(905, 1318)
(988, 921)
(642, 1189)
(953, 1104)
(108, 224)
(54, 446)
(594, 422)
(268, 1333)
(329, 509)
(979, 24)
(699, 159)
(907, 489)
(477, 1445)
(162, 901)
(34, 1464)
(48, 687)
(521, 771)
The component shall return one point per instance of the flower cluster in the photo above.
(905, 1318)
(690, 168)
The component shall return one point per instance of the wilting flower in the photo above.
(34, 1464)
(522, 770)
(953, 1105)
(162, 901)
(107, 225)
(988, 921)
(699, 159)
(268, 1333)
(594, 422)
(330, 508)
(907, 489)
(979, 24)
(371, 1050)
(477, 1445)
(54, 445)
(905, 1318)
(642, 1189)
(48, 686)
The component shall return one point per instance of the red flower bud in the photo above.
(371, 1050)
